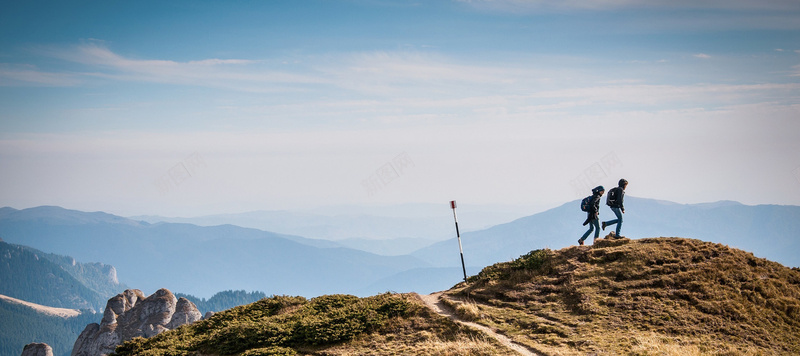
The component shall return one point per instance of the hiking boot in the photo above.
(619, 237)
(604, 225)
(580, 242)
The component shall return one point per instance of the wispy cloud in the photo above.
(661, 14)
(507, 5)
(402, 86)
(658, 95)
(27, 75)
(237, 74)
(373, 73)
(795, 71)
(393, 73)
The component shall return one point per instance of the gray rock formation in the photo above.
(185, 313)
(37, 349)
(129, 314)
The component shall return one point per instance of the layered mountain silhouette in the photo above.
(768, 231)
(54, 280)
(385, 230)
(200, 260)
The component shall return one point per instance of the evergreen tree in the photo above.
(223, 300)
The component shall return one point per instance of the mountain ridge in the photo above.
(62, 281)
(429, 221)
(673, 296)
(224, 257)
(692, 296)
(724, 221)
(733, 223)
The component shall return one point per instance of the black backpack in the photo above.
(613, 196)
(585, 203)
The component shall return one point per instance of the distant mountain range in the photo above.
(49, 298)
(390, 230)
(79, 292)
(200, 260)
(769, 231)
(54, 280)
(429, 222)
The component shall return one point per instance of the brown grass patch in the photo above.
(578, 300)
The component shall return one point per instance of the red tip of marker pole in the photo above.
(452, 204)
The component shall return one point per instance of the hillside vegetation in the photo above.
(21, 324)
(387, 324)
(645, 297)
(223, 300)
(60, 281)
(661, 296)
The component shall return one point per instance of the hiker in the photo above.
(592, 210)
(614, 200)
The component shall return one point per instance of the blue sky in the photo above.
(196, 107)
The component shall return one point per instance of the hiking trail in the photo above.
(434, 302)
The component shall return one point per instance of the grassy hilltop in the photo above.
(662, 296)
(649, 296)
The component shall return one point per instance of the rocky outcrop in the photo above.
(129, 314)
(185, 313)
(37, 349)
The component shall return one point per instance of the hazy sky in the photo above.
(185, 108)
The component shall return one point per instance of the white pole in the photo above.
(460, 250)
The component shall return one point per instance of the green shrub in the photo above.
(533, 260)
(272, 326)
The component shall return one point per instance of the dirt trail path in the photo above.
(434, 302)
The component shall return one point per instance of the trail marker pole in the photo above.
(461, 250)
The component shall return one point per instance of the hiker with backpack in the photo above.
(614, 200)
(591, 205)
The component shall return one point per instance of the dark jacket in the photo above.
(594, 205)
(620, 198)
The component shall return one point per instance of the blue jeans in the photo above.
(618, 220)
(593, 225)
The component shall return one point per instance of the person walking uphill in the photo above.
(592, 209)
(614, 200)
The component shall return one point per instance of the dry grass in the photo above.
(664, 296)
(468, 312)
(422, 343)
(602, 299)
(465, 346)
(653, 344)
(465, 310)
